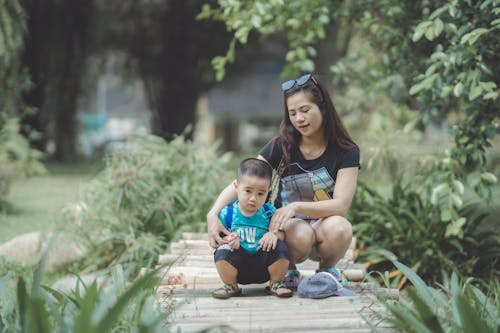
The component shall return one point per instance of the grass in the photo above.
(36, 202)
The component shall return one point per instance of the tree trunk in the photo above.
(34, 59)
(55, 53)
(179, 90)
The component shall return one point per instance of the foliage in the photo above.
(454, 306)
(272, 17)
(146, 196)
(42, 309)
(408, 225)
(14, 80)
(17, 158)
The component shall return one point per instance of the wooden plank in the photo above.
(205, 289)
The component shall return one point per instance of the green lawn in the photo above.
(37, 201)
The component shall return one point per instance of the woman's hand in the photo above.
(214, 228)
(268, 241)
(282, 215)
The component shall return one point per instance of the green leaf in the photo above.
(469, 316)
(438, 27)
(438, 192)
(422, 288)
(473, 36)
(455, 227)
(459, 187)
(473, 179)
(456, 200)
(420, 30)
(410, 126)
(475, 92)
(424, 84)
(457, 90)
(445, 215)
(491, 95)
(489, 178)
(23, 302)
(426, 313)
(256, 21)
(149, 280)
(83, 322)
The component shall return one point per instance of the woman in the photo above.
(317, 163)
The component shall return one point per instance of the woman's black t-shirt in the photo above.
(309, 180)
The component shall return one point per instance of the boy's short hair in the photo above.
(254, 167)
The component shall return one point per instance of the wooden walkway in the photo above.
(192, 276)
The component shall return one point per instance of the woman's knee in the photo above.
(300, 239)
(334, 227)
(300, 233)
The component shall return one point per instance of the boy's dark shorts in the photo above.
(252, 268)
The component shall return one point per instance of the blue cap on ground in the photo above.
(322, 285)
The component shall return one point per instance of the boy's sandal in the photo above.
(279, 289)
(226, 291)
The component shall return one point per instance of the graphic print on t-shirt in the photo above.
(313, 185)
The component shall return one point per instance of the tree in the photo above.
(56, 49)
(164, 45)
(169, 49)
(445, 53)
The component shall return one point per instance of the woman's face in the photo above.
(304, 114)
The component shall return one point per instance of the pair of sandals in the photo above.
(277, 289)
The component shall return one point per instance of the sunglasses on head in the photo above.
(287, 85)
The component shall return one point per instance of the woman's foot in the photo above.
(292, 279)
(336, 274)
(226, 291)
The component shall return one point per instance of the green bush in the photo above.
(146, 196)
(411, 228)
(456, 305)
(17, 158)
(40, 309)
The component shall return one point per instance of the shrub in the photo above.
(17, 158)
(40, 309)
(411, 228)
(454, 306)
(146, 196)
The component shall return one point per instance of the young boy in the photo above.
(243, 259)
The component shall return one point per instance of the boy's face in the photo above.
(252, 193)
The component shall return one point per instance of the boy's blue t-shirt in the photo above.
(249, 228)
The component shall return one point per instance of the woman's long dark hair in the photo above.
(335, 132)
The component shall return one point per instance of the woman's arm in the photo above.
(345, 188)
(214, 227)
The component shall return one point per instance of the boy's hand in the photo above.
(233, 240)
(268, 241)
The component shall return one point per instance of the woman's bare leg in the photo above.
(299, 236)
(333, 236)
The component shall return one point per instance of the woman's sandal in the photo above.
(337, 274)
(226, 291)
(279, 289)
